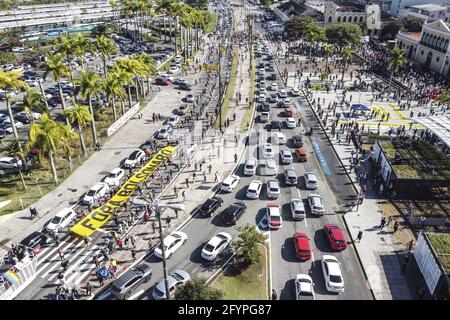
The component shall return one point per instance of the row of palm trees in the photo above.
(125, 73)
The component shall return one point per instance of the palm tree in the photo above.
(328, 52)
(14, 149)
(66, 47)
(114, 89)
(33, 101)
(82, 45)
(79, 115)
(48, 137)
(105, 47)
(10, 80)
(90, 87)
(58, 70)
(149, 67)
(396, 60)
(132, 68)
(346, 55)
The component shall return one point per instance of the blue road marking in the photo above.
(321, 157)
(298, 105)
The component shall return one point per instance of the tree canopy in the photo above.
(344, 34)
(197, 289)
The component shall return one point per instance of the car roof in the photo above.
(302, 241)
(337, 232)
(333, 267)
(254, 183)
(116, 170)
(6, 158)
(251, 161)
(273, 181)
(63, 212)
(97, 186)
(311, 176)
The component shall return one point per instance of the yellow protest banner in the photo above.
(99, 216)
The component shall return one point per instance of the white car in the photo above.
(304, 287)
(164, 132)
(230, 183)
(262, 90)
(173, 120)
(254, 189)
(270, 168)
(10, 163)
(134, 158)
(171, 244)
(286, 156)
(189, 98)
(278, 138)
(168, 77)
(216, 245)
(175, 279)
(96, 192)
(61, 220)
(267, 150)
(261, 97)
(295, 92)
(332, 274)
(273, 212)
(282, 93)
(273, 189)
(35, 115)
(310, 180)
(316, 204)
(173, 70)
(297, 209)
(250, 167)
(178, 59)
(290, 123)
(8, 126)
(274, 87)
(114, 177)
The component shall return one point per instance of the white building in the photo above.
(397, 6)
(425, 12)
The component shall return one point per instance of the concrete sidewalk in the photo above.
(135, 132)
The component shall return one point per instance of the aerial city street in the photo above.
(224, 150)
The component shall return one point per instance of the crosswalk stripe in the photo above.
(62, 246)
(89, 264)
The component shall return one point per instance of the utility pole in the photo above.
(220, 88)
(163, 250)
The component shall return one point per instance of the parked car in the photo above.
(316, 204)
(332, 274)
(162, 81)
(285, 156)
(115, 176)
(35, 241)
(301, 154)
(254, 189)
(61, 220)
(10, 163)
(304, 287)
(210, 205)
(95, 193)
(175, 279)
(288, 112)
(234, 212)
(275, 125)
(264, 106)
(164, 132)
(189, 98)
(310, 180)
(290, 123)
(274, 86)
(250, 167)
(171, 244)
(273, 189)
(185, 86)
(134, 158)
(297, 140)
(269, 168)
(295, 92)
(278, 138)
(273, 212)
(335, 237)
(216, 245)
(267, 150)
(302, 247)
(297, 209)
(282, 93)
(264, 117)
(290, 177)
(230, 183)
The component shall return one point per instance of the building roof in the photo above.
(428, 7)
(411, 35)
(349, 9)
(439, 125)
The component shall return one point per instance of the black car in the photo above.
(272, 77)
(290, 177)
(122, 287)
(23, 118)
(210, 206)
(233, 212)
(185, 86)
(275, 125)
(264, 106)
(35, 241)
(297, 140)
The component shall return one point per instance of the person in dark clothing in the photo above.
(274, 295)
(88, 289)
(383, 223)
(359, 236)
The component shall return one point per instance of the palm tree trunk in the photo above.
(63, 103)
(122, 106)
(13, 123)
(53, 167)
(164, 28)
(129, 95)
(83, 146)
(148, 85)
(113, 106)
(43, 94)
(94, 130)
(104, 67)
(343, 70)
(136, 86)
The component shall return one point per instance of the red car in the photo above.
(335, 237)
(162, 81)
(288, 112)
(302, 248)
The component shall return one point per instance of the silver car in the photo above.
(273, 189)
(175, 279)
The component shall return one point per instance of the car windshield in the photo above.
(91, 193)
(305, 293)
(275, 218)
(209, 248)
(335, 279)
(56, 220)
(249, 166)
(134, 155)
(112, 175)
(177, 277)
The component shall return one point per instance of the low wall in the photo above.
(122, 120)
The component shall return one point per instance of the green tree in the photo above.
(78, 116)
(8, 57)
(346, 56)
(114, 89)
(105, 47)
(344, 34)
(396, 60)
(10, 81)
(197, 289)
(328, 52)
(90, 87)
(82, 45)
(313, 34)
(297, 26)
(14, 149)
(58, 70)
(247, 243)
(34, 101)
(49, 137)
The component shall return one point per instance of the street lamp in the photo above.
(159, 209)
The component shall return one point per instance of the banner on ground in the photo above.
(99, 216)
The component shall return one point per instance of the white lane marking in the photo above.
(312, 257)
(55, 263)
(90, 265)
(137, 294)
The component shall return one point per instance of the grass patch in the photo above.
(441, 245)
(212, 22)
(251, 96)
(317, 86)
(248, 284)
(230, 89)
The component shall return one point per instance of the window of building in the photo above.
(329, 19)
(437, 59)
(421, 53)
(345, 19)
(360, 19)
(339, 19)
